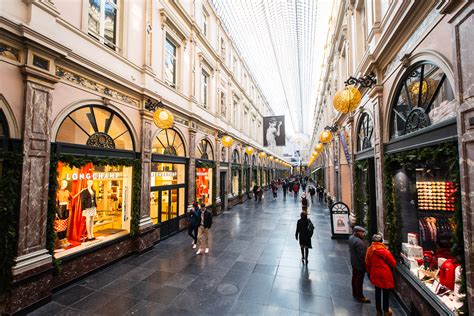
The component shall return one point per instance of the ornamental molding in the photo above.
(10, 52)
(180, 119)
(75, 78)
(205, 130)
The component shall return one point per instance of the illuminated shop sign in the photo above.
(200, 174)
(93, 176)
(164, 174)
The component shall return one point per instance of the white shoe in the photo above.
(207, 250)
(199, 251)
(194, 246)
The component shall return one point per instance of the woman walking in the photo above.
(304, 230)
(379, 261)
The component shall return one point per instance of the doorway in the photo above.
(169, 208)
(222, 190)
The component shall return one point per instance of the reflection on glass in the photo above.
(170, 62)
(204, 185)
(165, 205)
(110, 21)
(94, 17)
(174, 204)
(154, 207)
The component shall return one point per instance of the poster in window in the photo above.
(274, 131)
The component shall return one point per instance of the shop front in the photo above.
(246, 175)
(168, 181)
(421, 174)
(93, 180)
(236, 181)
(254, 173)
(205, 165)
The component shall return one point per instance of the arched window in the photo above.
(223, 154)
(424, 97)
(235, 156)
(246, 159)
(365, 133)
(169, 142)
(4, 132)
(95, 126)
(204, 150)
(254, 160)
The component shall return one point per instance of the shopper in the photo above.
(304, 230)
(379, 262)
(304, 202)
(321, 194)
(358, 248)
(285, 188)
(274, 190)
(194, 220)
(312, 192)
(206, 223)
(296, 188)
(255, 188)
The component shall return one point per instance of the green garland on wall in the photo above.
(10, 190)
(443, 154)
(78, 162)
(360, 197)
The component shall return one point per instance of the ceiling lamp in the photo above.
(249, 150)
(262, 154)
(270, 158)
(319, 147)
(347, 99)
(325, 137)
(163, 118)
(227, 141)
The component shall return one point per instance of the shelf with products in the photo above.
(435, 195)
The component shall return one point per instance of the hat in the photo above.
(359, 229)
(377, 237)
(195, 204)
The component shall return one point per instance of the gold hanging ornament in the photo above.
(163, 118)
(270, 158)
(227, 141)
(319, 147)
(249, 150)
(263, 154)
(347, 99)
(325, 137)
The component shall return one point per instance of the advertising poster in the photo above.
(274, 131)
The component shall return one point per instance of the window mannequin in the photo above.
(63, 198)
(89, 208)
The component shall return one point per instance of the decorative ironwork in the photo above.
(417, 119)
(153, 105)
(170, 151)
(366, 81)
(332, 128)
(102, 140)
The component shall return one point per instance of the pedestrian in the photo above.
(285, 188)
(304, 202)
(358, 248)
(380, 262)
(255, 188)
(259, 194)
(321, 194)
(206, 223)
(296, 188)
(274, 190)
(312, 192)
(194, 220)
(304, 230)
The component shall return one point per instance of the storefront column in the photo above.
(217, 173)
(145, 219)
(192, 167)
(228, 185)
(31, 251)
(464, 81)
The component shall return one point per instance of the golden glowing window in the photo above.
(204, 150)
(169, 142)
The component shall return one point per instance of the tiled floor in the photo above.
(253, 268)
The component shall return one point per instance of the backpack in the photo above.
(310, 228)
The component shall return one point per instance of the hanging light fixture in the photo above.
(227, 141)
(347, 99)
(162, 118)
(249, 150)
(270, 158)
(325, 137)
(319, 147)
(262, 154)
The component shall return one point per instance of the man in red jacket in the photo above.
(379, 263)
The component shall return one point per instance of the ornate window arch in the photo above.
(169, 142)
(204, 150)
(246, 159)
(423, 97)
(235, 156)
(365, 132)
(4, 130)
(96, 126)
(254, 160)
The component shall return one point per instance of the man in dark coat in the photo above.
(358, 249)
(304, 234)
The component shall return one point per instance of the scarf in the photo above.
(375, 246)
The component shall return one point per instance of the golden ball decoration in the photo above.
(325, 137)
(163, 118)
(270, 158)
(319, 147)
(347, 99)
(263, 154)
(227, 141)
(249, 150)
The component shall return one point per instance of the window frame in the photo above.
(173, 42)
(205, 80)
(101, 36)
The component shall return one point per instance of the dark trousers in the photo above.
(382, 295)
(193, 232)
(357, 283)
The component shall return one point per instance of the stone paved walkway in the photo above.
(253, 268)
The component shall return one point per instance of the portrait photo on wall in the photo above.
(274, 131)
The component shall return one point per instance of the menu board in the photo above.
(435, 195)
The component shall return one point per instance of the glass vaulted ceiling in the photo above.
(282, 42)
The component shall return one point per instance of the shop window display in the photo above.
(235, 181)
(427, 206)
(204, 185)
(93, 206)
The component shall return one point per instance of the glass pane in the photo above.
(167, 174)
(154, 207)
(94, 17)
(182, 195)
(70, 133)
(204, 185)
(165, 205)
(174, 204)
(170, 62)
(110, 22)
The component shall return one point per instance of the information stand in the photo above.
(340, 224)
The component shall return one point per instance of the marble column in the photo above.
(217, 170)
(463, 25)
(31, 249)
(146, 148)
(228, 180)
(192, 167)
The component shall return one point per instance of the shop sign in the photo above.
(164, 174)
(340, 224)
(93, 176)
(201, 174)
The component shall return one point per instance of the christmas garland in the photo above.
(360, 192)
(10, 188)
(443, 154)
(78, 162)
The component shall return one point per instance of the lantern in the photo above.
(319, 147)
(262, 154)
(163, 118)
(227, 141)
(347, 99)
(249, 150)
(325, 137)
(270, 158)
